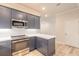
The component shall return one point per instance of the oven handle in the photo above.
(17, 41)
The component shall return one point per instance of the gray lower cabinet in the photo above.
(5, 48)
(32, 43)
(46, 47)
(5, 17)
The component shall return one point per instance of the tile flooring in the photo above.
(61, 50)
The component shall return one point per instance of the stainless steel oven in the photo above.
(19, 44)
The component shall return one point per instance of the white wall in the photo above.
(59, 28)
(47, 25)
(67, 27)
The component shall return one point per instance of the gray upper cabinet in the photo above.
(5, 17)
(8, 14)
(33, 22)
(37, 22)
(18, 15)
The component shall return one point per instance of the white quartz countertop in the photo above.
(45, 36)
(42, 36)
(5, 38)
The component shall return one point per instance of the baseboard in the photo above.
(62, 42)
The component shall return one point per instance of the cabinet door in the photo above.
(5, 17)
(18, 15)
(32, 43)
(37, 22)
(31, 21)
(51, 47)
(42, 45)
(38, 44)
(26, 21)
(5, 48)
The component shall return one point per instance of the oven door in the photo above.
(19, 45)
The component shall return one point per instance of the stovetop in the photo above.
(19, 37)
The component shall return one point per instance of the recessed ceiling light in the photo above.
(46, 15)
(43, 8)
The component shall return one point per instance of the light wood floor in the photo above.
(66, 50)
(61, 50)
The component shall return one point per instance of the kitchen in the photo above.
(20, 32)
(38, 29)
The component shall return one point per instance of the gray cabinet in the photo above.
(5, 48)
(33, 22)
(18, 15)
(32, 43)
(46, 46)
(5, 17)
(37, 22)
(7, 14)
(42, 45)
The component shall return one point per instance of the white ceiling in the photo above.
(51, 8)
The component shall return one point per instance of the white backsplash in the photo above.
(17, 31)
(6, 34)
(31, 31)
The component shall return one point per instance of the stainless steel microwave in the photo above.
(18, 24)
